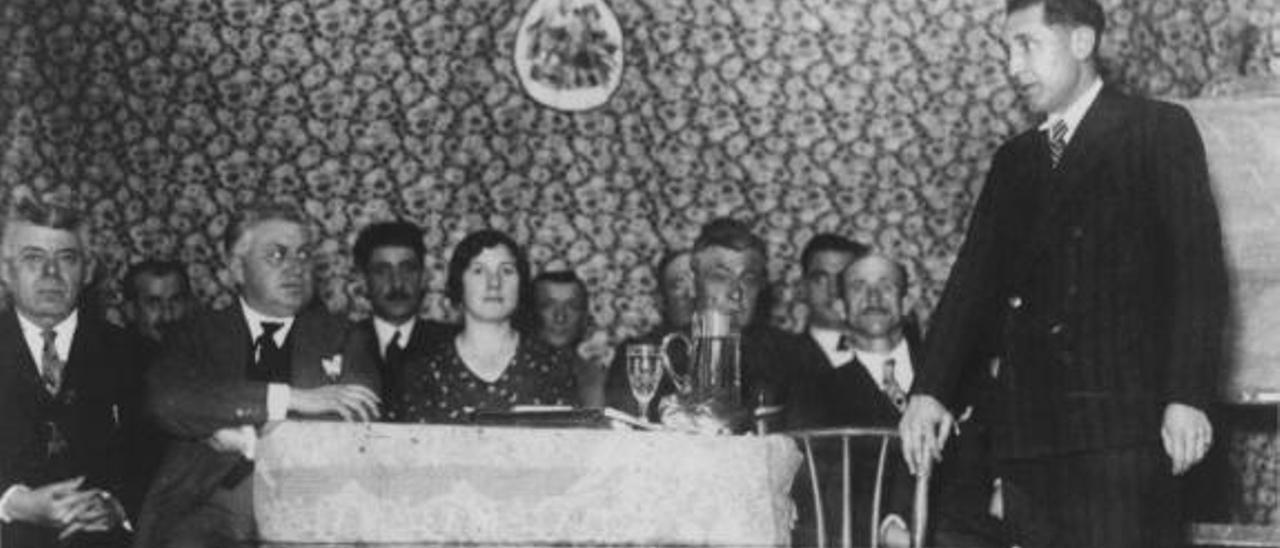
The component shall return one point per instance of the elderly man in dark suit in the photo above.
(390, 256)
(61, 408)
(1093, 269)
(224, 374)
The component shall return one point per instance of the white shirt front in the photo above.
(34, 337)
(385, 330)
(829, 341)
(1075, 111)
(903, 370)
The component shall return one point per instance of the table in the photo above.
(321, 482)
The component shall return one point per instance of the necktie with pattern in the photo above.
(889, 384)
(1057, 141)
(50, 364)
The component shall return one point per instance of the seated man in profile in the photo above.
(675, 302)
(729, 276)
(560, 307)
(225, 373)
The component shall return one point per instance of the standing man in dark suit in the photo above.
(61, 452)
(222, 375)
(390, 255)
(1093, 270)
(822, 261)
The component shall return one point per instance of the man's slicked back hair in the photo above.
(830, 242)
(388, 234)
(1073, 13)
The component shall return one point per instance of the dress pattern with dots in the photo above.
(441, 388)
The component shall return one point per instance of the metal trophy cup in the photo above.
(709, 395)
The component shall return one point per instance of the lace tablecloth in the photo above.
(387, 483)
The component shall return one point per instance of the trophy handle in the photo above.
(681, 381)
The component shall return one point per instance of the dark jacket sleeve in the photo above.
(1198, 286)
(968, 311)
(187, 395)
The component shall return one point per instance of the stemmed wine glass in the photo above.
(644, 372)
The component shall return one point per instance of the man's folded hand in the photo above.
(353, 402)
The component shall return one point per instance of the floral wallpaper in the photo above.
(872, 118)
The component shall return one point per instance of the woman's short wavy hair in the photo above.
(469, 248)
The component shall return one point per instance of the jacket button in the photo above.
(1077, 232)
(1057, 329)
(1015, 302)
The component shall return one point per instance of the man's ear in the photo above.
(1083, 40)
(838, 303)
(235, 267)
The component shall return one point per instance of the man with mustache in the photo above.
(62, 416)
(157, 294)
(1093, 271)
(224, 374)
(390, 256)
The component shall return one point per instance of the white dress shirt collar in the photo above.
(1074, 112)
(385, 330)
(34, 336)
(829, 341)
(255, 319)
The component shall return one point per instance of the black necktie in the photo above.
(393, 351)
(273, 363)
(392, 356)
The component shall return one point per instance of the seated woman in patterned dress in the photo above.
(491, 364)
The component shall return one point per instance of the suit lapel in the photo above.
(1073, 180)
(313, 339)
(25, 367)
(238, 347)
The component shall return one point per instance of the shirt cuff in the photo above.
(4, 501)
(277, 401)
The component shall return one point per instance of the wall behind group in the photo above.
(871, 118)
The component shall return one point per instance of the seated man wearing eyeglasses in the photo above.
(224, 374)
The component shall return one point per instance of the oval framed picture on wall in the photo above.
(568, 53)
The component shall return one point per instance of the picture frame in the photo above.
(569, 54)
